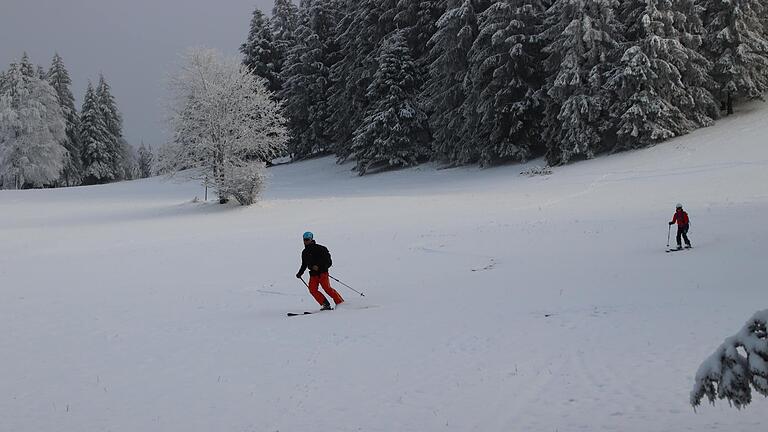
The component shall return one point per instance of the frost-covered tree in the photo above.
(418, 19)
(360, 33)
(27, 68)
(394, 132)
(584, 37)
(307, 79)
(259, 52)
(113, 121)
(448, 66)
(32, 128)
(651, 101)
(304, 94)
(58, 78)
(284, 20)
(225, 125)
(503, 78)
(736, 43)
(99, 156)
(146, 160)
(129, 161)
(322, 16)
(736, 367)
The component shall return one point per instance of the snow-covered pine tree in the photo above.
(394, 132)
(304, 92)
(736, 43)
(651, 103)
(259, 54)
(32, 128)
(129, 161)
(96, 139)
(113, 121)
(225, 124)
(285, 18)
(418, 18)
(146, 161)
(504, 76)
(360, 32)
(764, 20)
(323, 17)
(695, 67)
(583, 37)
(27, 68)
(307, 78)
(444, 92)
(58, 78)
(736, 367)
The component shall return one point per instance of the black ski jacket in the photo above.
(315, 255)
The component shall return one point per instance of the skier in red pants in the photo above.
(317, 259)
(683, 223)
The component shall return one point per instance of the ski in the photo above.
(292, 314)
(676, 250)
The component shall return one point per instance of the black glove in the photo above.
(671, 223)
(299, 275)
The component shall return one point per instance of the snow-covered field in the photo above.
(494, 302)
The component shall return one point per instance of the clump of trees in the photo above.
(503, 80)
(46, 142)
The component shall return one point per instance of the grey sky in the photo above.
(134, 43)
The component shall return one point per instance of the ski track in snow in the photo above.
(493, 301)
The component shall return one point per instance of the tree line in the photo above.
(46, 142)
(393, 83)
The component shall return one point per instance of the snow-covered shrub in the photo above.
(737, 366)
(225, 124)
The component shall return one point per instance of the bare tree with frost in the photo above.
(225, 125)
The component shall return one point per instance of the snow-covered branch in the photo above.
(737, 366)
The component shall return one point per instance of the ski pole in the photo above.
(305, 283)
(346, 285)
(669, 231)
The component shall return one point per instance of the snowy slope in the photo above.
(494, 302)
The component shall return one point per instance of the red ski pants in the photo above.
(324, 281)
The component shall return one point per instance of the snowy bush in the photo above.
(737, 366)
(225, 125)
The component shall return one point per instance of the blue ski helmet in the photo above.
(308, 235)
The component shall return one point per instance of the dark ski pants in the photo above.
(682, 231)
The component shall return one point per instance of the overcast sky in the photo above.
(134, 43)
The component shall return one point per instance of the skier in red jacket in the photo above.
(683, 223)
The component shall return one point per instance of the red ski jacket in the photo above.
(681, 217)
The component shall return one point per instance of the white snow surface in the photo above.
(494, 301)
